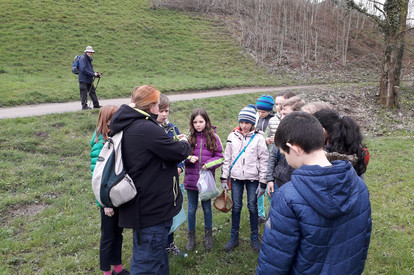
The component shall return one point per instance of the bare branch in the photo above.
(380, 10)
(375, 2)
(405, 31)
(362, 10)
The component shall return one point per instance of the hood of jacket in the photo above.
(127, 115)
(331, 191)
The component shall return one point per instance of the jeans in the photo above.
(84, 89)
(170, 239)
(150, 257)
(110, 250)
(192, 208)
(237, 187)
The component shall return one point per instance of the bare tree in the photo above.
(391, 20)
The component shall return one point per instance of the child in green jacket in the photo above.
(110, 250)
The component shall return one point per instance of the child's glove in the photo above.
(224, 185)
(261, 189)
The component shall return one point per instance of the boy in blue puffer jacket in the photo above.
(320, 221)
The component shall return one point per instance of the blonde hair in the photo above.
(104, 117)
(143, 97)
(313, 107)
(295, 102)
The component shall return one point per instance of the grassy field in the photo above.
(49, 222)
(134, 45)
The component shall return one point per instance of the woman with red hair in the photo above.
(150, 158)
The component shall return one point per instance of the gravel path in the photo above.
(50, 108)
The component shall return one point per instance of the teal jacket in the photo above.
(96, 149)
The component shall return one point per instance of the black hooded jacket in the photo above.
(150, 157)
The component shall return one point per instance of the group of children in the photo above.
(261, 155)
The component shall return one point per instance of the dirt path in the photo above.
(50, 108)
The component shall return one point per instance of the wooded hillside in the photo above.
(300, 34)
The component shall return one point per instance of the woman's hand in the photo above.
(109, 211)
(204, 167)
(182, 137)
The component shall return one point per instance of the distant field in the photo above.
(134, 45)
(50, 222)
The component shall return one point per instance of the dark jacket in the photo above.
(170, 128)
(212, 160)
(319, 223)
(261, 123)
(150, 157)
(278, 170)
(86, 71)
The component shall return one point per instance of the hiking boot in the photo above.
(173, 250)
(123, 272)
(233, 243)
(208, 238)
(254, 241)
(86, 108)
(262, 220)
(190, 241)
(97, 107)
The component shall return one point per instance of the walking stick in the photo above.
(89, 93)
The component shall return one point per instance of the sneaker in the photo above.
(173, 250)
(262, 220)
(123, 272)
(86, 108)
(97, 107)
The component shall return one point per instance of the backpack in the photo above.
(75, 64)
(111, 184)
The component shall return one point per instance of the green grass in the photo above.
(50, 222)
(134, 45)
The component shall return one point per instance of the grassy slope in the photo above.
(50, 222)
(134, 45)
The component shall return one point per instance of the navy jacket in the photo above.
(86, 71)
(319, 223)
(150, 157)
(170, 128)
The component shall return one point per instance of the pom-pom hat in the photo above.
(265, 103)
(248, 114)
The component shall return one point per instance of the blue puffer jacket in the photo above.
(86, 71)
(319, 223)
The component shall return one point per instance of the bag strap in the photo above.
(242, 151)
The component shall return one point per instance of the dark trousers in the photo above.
(84, 89)
(149, 257)
(110, 251)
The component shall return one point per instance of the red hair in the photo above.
(105, 115)
(144, 97)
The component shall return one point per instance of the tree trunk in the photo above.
(394, 52)
(393, 27)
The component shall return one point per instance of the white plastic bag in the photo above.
(206, 185)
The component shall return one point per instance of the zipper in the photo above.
(201, 148)
(175, 190)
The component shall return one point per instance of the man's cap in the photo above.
(89, 49)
